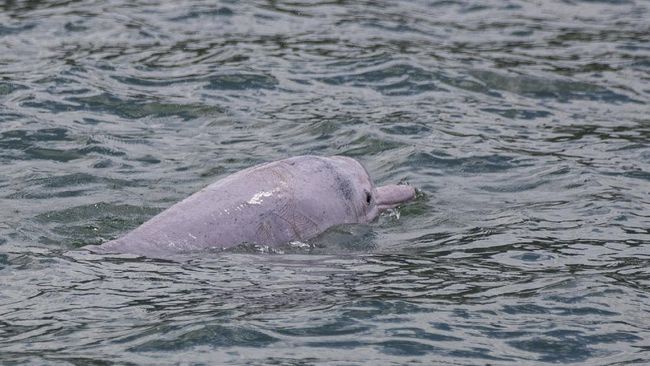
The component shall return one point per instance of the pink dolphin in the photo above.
(269, 204)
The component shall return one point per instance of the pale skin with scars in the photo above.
(269, 204)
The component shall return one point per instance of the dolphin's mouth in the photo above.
(393, 195)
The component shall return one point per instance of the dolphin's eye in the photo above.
(368, 197)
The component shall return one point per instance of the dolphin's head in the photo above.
(367, 200)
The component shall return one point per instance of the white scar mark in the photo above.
(192, 236)
(259, 197)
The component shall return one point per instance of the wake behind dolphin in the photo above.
(270, 204)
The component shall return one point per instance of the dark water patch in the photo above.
(16, 139)
(468, 165)
(52, 154)
(29, 144)
(341, 239)
(561, 311)
(32, 145)
(92, 224)
(368, 309)
(213, 171)
(100, 150)
(6, 30)
(516, 187)
(370, 146)
(98, 210)
(532, 257)
(403, 124)
(340, 327)
(406, 348)
(8, 88)
(202, 13)
(76, 26)
(478, 353)
(324, 128)
(132, 139)
(242, 82)
(533, 180)
(393, 25)
(350, 344)
(420, 334)
(147, 159)
(151, 82)
(562, 90)
(518, 113)
(636, 174)
(564, 350)
(613, 2)
(467, 83)
(68, 185)
(209, 335)
(10, 117)
(631, 133)
(570, 35)
(390, 79)
(131, 109)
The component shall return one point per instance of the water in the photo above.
(525, 125)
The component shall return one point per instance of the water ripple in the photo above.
(524, 127)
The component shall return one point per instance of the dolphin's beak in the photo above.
(393, 195)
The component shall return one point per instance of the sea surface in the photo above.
(524, 125)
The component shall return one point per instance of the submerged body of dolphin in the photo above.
(269, 204)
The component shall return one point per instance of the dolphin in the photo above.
(270, 204)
